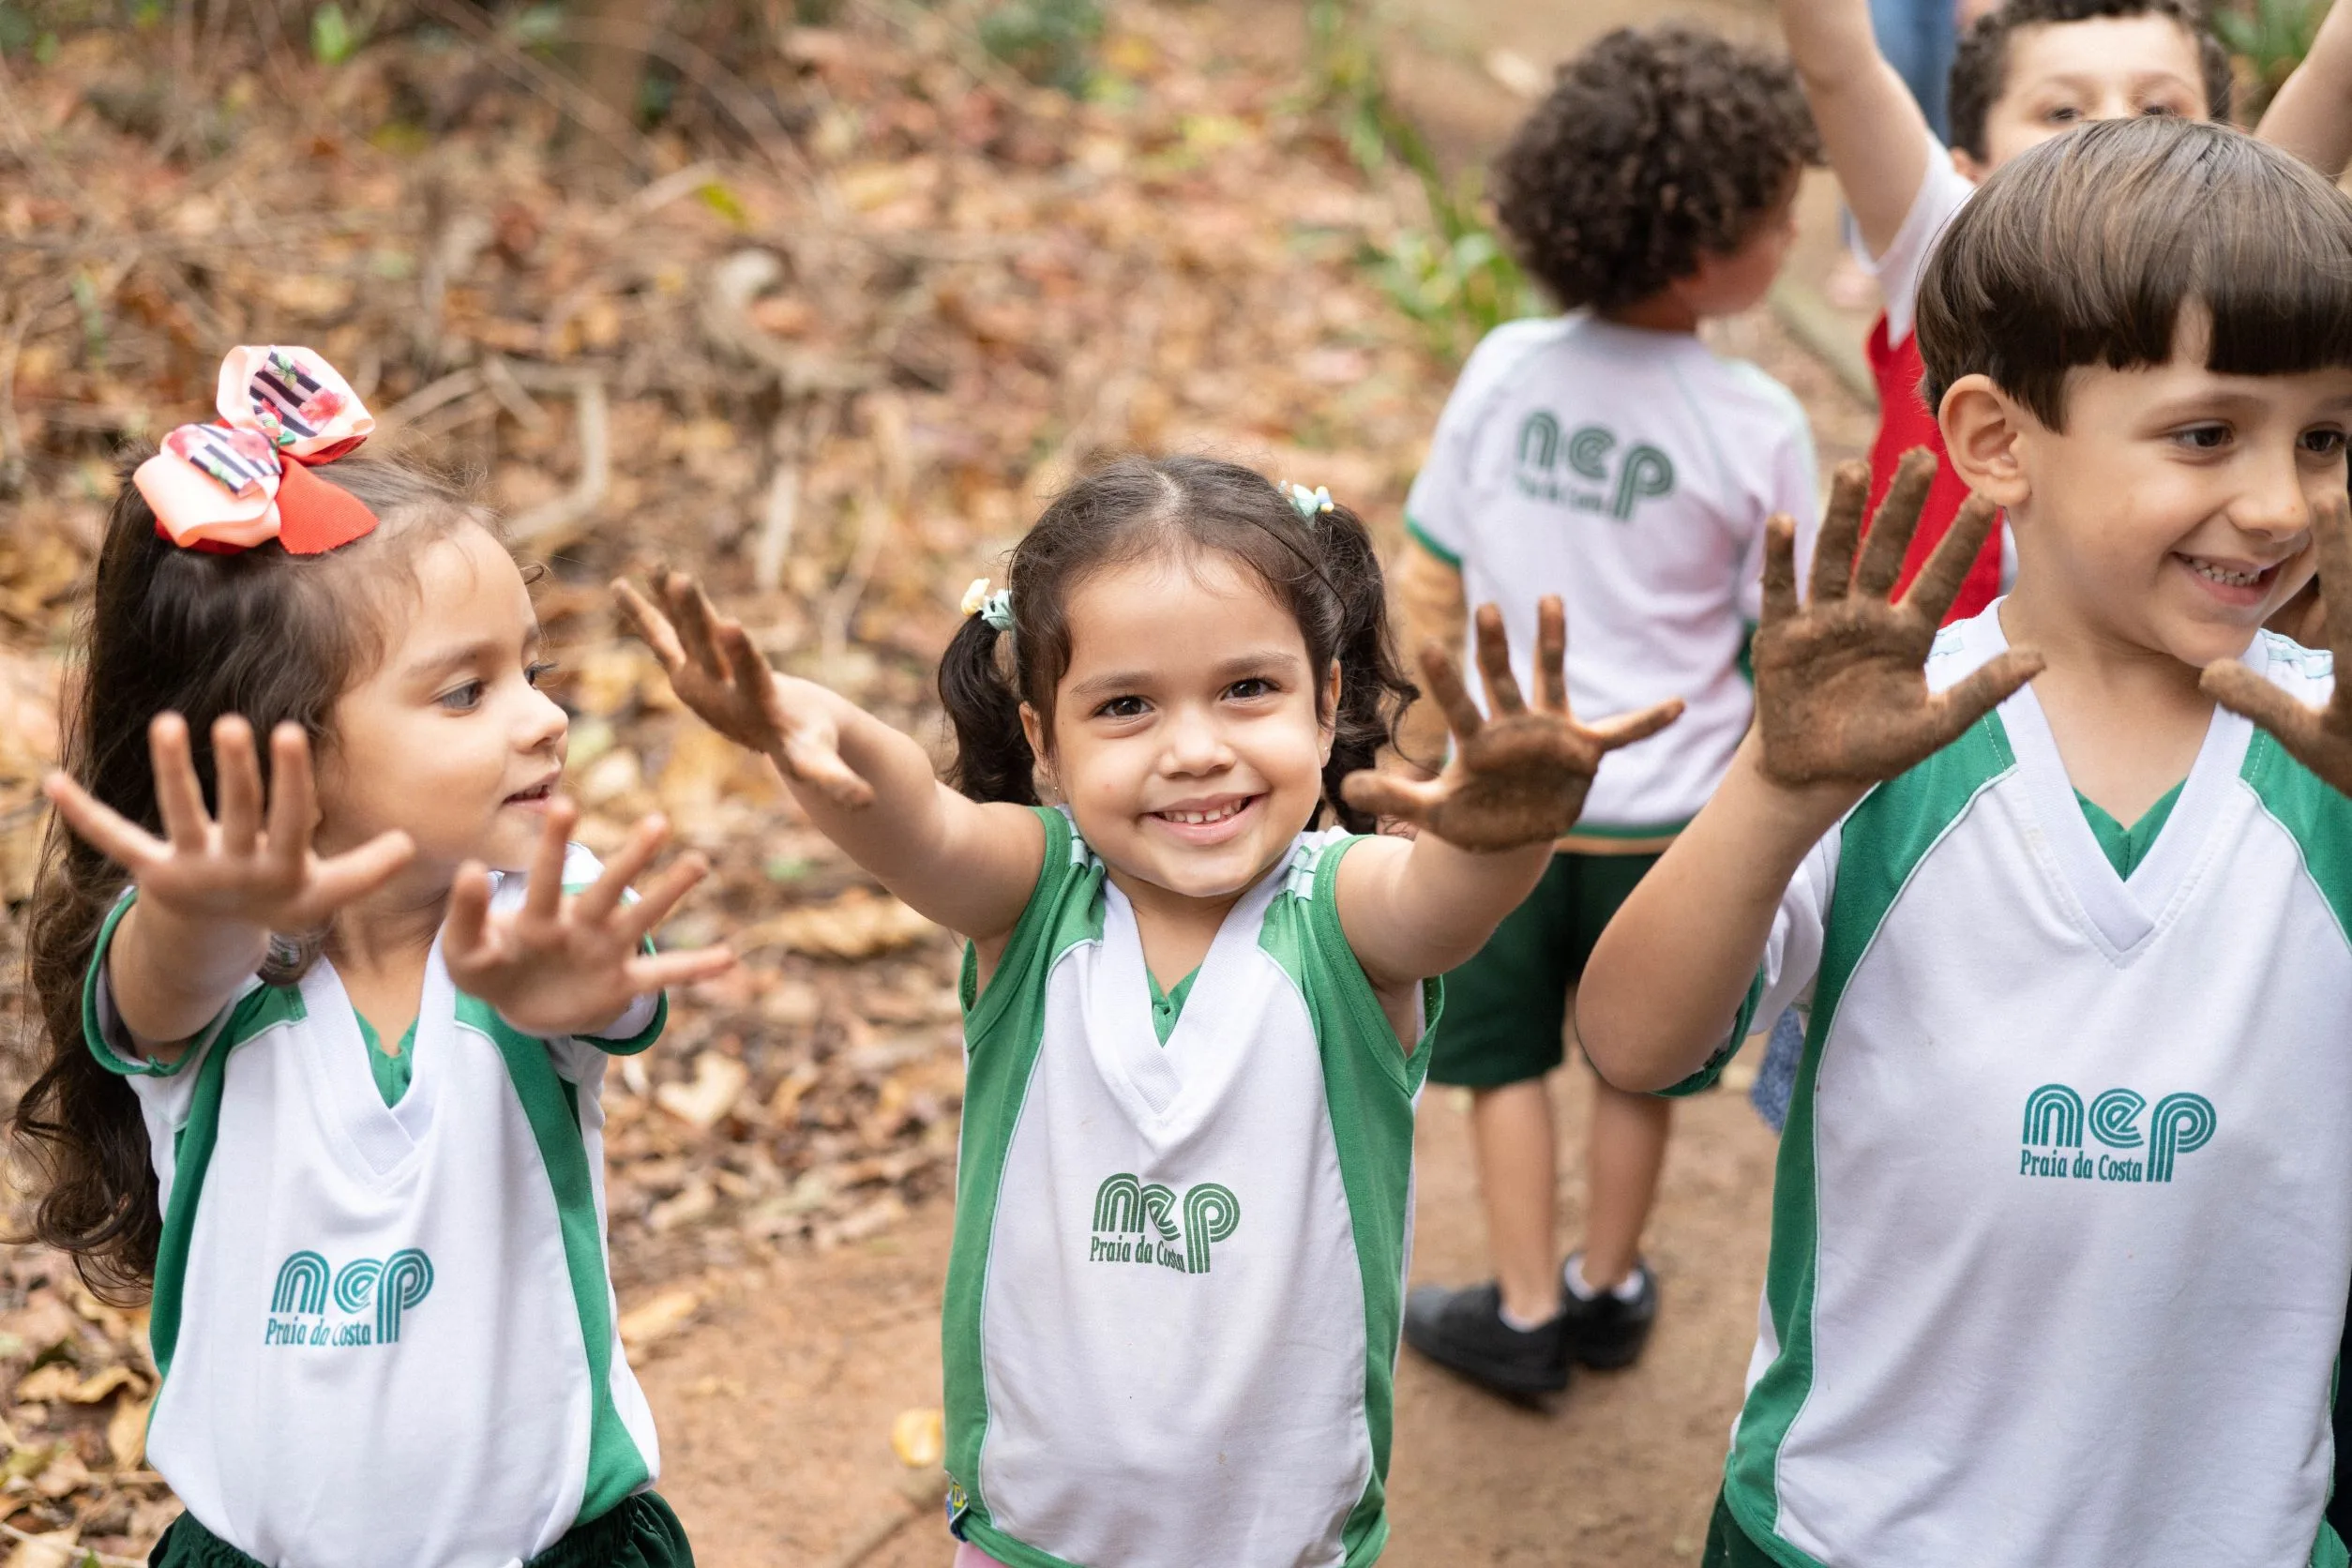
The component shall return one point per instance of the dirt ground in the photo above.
(777, 1406)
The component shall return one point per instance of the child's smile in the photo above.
(1189, 738)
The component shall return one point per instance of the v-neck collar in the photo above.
(2122, 913)
(1119, 1009)
(382, 1138)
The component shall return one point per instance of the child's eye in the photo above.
(2166, 111)
(462, 699)
(2064, 115)
(2323, 443)
(1121, 707)
(1251, 688)
(2203, 438)
(539, 671)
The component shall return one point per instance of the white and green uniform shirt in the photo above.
(1630, 473)
(386, 1332)
(2063, 1218)
(1174, 1299)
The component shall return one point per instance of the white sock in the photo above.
(1513, 1320)
(1626, 1289)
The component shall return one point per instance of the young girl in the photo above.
(1182, 1214)
(364, 1067)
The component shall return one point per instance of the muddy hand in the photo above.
(2319, 738)
(1518, 775)
(715, 670)
(1841, 688)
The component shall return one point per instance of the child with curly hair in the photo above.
(1609, 456)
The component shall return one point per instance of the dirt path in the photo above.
(776, 1406)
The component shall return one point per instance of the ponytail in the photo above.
(992, 757)
(1372, 690)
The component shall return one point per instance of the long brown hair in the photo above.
(274, 636)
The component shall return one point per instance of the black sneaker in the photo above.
(1605, 1332)
(1464, 1330)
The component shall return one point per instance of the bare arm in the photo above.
(1876, 136)
(1841, 703)
(1516, 781)
(969, 865)
(1432, 608)
(2312, 114)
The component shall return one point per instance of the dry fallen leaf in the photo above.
(645, 1326)
(857, 924)
(126, 1433)
(918, 1437)
(54, 1550)
(718, 1081)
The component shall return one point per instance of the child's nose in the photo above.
(544, 723)
(1196, 743)
(2274, 504)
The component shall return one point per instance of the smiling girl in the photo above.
(1193, 1024)
(359, 1045)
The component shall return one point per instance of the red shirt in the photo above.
(1906, 421)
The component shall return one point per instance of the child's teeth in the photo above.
(2216, 574)
(1196, 819)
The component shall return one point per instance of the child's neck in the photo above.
(1665, 311)
(380, 947)
(1176, 929)
(2128, 720)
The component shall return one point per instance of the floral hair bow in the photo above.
(995, 608)
(1311, 504)
(246, 480)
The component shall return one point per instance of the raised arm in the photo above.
(1485, 825)
(967, 865)
(1876, 136)
(1842, 702)
(2312, 114)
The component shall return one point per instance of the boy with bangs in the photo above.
(2059, 1264)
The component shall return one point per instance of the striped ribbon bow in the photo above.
(246, 480)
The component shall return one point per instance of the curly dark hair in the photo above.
(1980, 67)
(1655, 146)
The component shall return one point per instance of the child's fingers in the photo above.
(651, 625)
(1551, 653)
(292, 797)
(659, 971)
(2242, 691)
(356, 873)
(1973, 696)
(814, 762)
(1897, 520)
(2332, 522)
(178, 795)
(1625, 729)
(1445, 682)
(603, 895)
(656, 899)
(543, 894)
(691, 609)
(103, 828)
(1494, 664)
(1946, 568)
(238, 779)
(1385, 795)
(465, 933)
(1841, 529)
(1780, 568)
(748, 666)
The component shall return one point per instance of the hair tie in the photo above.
(228, 487)
(995, 608)
(1311, 504)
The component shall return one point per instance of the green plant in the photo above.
(1455, 279)
(2270, 39)
(1049, 41)
(333, 38)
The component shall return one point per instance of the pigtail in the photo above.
(1372, 690)
(992, 757)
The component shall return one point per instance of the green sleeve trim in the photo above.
(643, 1038)
(94, 1037)
(1745, 660)
(1742, 1026)
(983, 1008)
(1421, 536)
(615, 1467)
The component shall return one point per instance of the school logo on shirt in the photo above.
(1142, 1222)
(370, 1296)
(2056, 1120)
(1587, 471)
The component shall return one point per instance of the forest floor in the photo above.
(851, 313)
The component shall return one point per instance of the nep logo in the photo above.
(297, 1307)
(2055, 1120)
(1125, 1208)
(1643, 474)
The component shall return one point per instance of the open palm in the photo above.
(2319, 738)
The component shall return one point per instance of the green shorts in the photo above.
(1506, 1009)
(1727, 1544)
(641, 1532)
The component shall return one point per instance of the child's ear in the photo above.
(1981, 425)
(1329, 724)
(1035, 729)
(1970, 170)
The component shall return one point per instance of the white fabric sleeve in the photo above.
(1942, 192)
(1440, 504)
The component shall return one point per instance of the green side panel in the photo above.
(92, 1036)
(1420, 535)
(1745, 660)
(1881, 846)
(615, 1467)
(1635, 831)
(1369, 1082)
(259, 1011)
(2314, 816)
(2327, 1551)
(1003, 1027)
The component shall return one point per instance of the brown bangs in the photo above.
(2088, 249)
